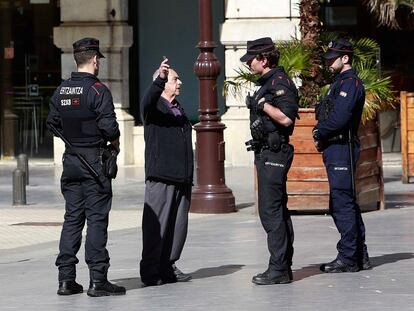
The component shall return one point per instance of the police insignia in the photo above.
(280, 92)
(343, 94)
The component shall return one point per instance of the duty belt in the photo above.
(84, 150)
(341, 138)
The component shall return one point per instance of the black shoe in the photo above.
(105, 288)
(366, 264)
(337, 266)
(152, 282)
(181, 276)
(69, 288)
(265, 279)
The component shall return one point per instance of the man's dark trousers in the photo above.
(272, 169)
(86, 200)
(343, 207)
(164, 227)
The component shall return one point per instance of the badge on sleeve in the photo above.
(280, 92)
(343, 94)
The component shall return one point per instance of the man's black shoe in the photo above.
(265, 279)
(105, 288)
(366, 264)
(337, 266)
(69, 288)
(152, 282)
(181, 276)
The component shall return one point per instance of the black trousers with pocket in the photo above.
(272, 169)
(87, 201)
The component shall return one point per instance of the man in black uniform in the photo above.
(168, 179)
(273, 110)
(339, 116)
(82, 110)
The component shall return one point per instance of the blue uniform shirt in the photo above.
(348, 93)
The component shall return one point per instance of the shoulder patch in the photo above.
(343, 94)
(280, 92)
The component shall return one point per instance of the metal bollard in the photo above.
(19, 187)
(23, 164)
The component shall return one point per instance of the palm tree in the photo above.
(310, 29)
(385, 10)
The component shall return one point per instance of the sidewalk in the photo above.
(222, 252)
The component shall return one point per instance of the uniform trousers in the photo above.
(343, 207)
(272, 169)
(164, 228)
(87, 200)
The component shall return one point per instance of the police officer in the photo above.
(273, 110)
(82, 110)
(339, 115)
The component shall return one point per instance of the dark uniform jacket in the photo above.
(280, 91)
(348, 94)
(168, 141)
(83, 109)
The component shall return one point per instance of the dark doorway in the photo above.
(30, 67)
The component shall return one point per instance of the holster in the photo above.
(275, 140)
(109, 156)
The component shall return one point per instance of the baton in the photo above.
(80, 156)
(351, 158)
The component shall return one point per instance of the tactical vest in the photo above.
(78, 120)
(324, 108)
(269, 125)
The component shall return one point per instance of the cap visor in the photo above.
(246, 57)
(100, 55)
(331, 54)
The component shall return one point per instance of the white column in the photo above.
(108, 22)
(247, 20)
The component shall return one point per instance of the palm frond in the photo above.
(385, 10)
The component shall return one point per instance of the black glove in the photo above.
(260, 106)
(257, 129)
(110, 168)
(249, 101)
(316, 134)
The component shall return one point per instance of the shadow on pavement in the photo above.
(376, 261)
(129, 283)
(215, 271)
(390, 258)
(135, 283)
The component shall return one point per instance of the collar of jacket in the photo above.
(262, 80)
(346, 74)
(81, 75)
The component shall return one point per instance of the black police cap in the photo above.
(256, 47)
(338, 48)
(87, 44)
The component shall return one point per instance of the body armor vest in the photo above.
(78, 120)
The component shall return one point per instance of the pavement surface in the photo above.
(222, 252)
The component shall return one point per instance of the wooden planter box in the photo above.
(307, 184)
(407, 135)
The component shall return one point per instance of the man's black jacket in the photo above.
(168, 141)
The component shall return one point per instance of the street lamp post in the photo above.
(210, 195)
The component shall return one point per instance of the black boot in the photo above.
(337, 266)
(69, 288)
(181, 276)
(265, 278)
(366, 264)
(105, 288)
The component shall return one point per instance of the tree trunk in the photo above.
(310, 29)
